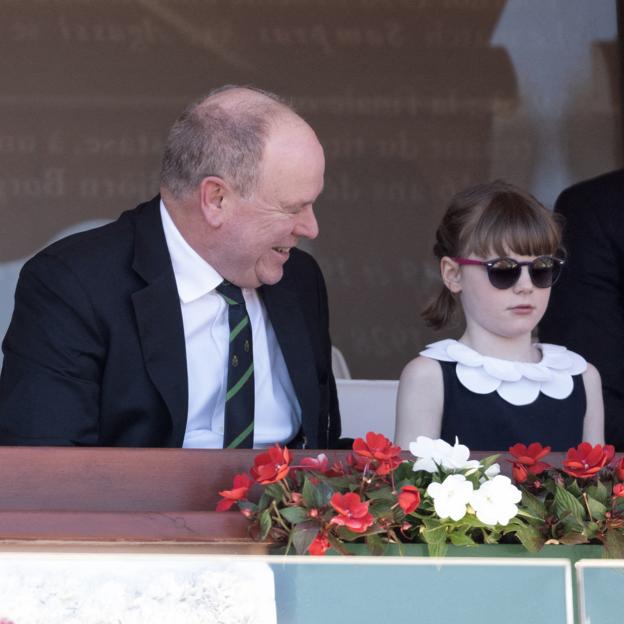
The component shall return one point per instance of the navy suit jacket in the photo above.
(95, 351)
(586, 309)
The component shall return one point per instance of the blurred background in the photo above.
(413, 100)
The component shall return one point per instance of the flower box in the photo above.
(441, 500)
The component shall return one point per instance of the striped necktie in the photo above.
(239, 400)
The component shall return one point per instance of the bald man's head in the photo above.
(223, 135)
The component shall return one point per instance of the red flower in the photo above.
(530, 456)
(519, 472)
(409, 498)
(242, 483)
(357, 462)
(271, 466)
(586, 461)
(319, 463)
(618, 489)
(319, 545)
(337, 470)
(383, 455)
(353, 512)
(619, 470)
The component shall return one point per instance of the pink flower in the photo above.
(271, 466)
(353, 512)
(319, 463)
(320, 544)
(618, 490)
(383, 455)
(619, 469)
(242, 483)
(409, 498)
(586, 461)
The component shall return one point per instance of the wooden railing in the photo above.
(123, 495)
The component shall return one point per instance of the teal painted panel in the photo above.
(602, 589)
(435, 591)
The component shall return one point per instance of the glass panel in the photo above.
(601, 586)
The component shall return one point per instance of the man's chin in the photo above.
(270, 278)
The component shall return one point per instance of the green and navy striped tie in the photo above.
(239, 400)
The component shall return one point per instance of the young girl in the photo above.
(499, 252)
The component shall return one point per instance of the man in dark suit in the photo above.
(124, 335)
(586, 310)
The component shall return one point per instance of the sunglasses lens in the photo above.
(544, 271)
(504, 273)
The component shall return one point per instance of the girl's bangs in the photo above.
(512, 224)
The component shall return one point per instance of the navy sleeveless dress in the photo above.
(487, 422)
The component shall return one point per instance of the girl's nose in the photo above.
(524, 282)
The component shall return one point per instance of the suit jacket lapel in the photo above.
(159, 316)
(293, 337)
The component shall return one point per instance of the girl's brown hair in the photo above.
(495, 218)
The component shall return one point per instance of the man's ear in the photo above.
(212, 190)
(451, 274)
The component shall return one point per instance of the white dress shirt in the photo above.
(206, 334)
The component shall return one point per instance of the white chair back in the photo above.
(367, 405)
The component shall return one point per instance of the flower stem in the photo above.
(278, 516)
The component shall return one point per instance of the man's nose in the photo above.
(306, 224)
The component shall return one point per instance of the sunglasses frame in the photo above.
(489, 265)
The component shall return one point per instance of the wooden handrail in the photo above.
(123, 494)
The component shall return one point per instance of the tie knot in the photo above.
(232, 294)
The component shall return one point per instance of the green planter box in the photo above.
(554, 551)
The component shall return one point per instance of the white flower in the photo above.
(495, 501)
(490, 473)
(451, 496)
(438, 453)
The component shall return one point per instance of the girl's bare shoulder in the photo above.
(422, 370)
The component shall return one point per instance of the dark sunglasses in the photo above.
(505, 272)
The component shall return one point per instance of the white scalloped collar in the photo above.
(519, 383)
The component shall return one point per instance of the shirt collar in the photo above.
(194, 276)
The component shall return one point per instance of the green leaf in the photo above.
(381, 508)
(264, 502)
(435, 535)
(404, 472)
(488, 461)
(533, 505)
(573, 537)
(338, 483)
(462, 539)
(294, 515)
(375, 544)
(530, 538)
(275, 491)
(599, 492)
(614, 544)
(309, 494)
(303, 535)
(591, 530)
(324, 493)
(382, 492)
(491, 536)
(596, 508)
(566, 503)
(265, 524)
(316, 495)
(574, 489)
(437, 549)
